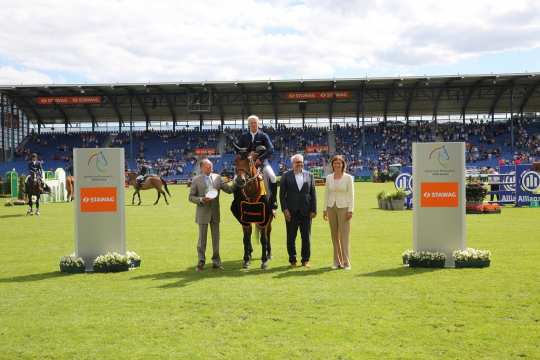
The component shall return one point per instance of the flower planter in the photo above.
(112, 268)
(426, 263)
(474, 208)
(397, 204)
(71, 269)
(477, 263)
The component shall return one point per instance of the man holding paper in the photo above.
(204, 193)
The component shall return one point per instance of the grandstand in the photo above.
(373, 121)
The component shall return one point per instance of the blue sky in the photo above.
(136, 41)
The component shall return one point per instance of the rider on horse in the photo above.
(143, 172)
(35, 169)
(34, 182)
(251, 141)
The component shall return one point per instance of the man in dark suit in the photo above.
(253, 139)
(299, 205)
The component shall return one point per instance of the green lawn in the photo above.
(165, 309)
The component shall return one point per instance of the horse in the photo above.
(33, 187)
(252, 206)
(70, 187)
(151, 182)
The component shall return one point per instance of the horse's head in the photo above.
(242, 170)
(247, 176)
(131, 177)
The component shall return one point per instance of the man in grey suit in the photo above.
(299, 205)
(207, 210)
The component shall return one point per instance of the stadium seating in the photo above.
(173, 155)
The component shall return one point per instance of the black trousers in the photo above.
(492, 196)
(303, 222)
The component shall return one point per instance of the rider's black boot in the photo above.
(273, 195)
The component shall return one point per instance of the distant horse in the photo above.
(251, 205)
(151, 182)
(33, 187)
(70, 187)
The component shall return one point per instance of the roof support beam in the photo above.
(143, 108)
(389, 95)
(275, 106)
(114, 104)
(498, 95)
(58, 107)
(169, 104)
(468, 97)
(530, 91)
(437, 99)
(410, 98)
(22, 102)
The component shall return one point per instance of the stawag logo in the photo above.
(101, 199)
(439, 194)
(440, 154)
(98, 160)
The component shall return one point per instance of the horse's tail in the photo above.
(165, 186)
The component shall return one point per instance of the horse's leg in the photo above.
(37, 203)
(139, 195)
(165, 197)
(158, 197)
(264, 246)
(30, 204)
(248, 249)
(133, 198)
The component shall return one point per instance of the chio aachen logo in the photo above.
(99, 160)
(404, 181)
(441, 155)
(530, 181)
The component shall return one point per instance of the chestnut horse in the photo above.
(70, 187)
(151, 182)
(252, 206)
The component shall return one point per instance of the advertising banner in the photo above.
(99, 202)
(439, 198)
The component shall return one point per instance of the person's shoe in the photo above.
(306, 264)
(218, 266)
(293, 263)
(335, 267)
(347, 267)
(37, 212)
(200, 267)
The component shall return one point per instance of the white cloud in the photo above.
(11, 76)
(136, 40)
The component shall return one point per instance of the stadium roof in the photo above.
(327, 98)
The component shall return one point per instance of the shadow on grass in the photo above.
(232, 269)
(400, 271)
(12, 216)
(299, 272)
(34, 277)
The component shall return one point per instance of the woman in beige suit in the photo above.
(338, 210)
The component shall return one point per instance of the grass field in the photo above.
(378, 310)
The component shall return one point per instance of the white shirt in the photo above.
(339, 192)
(299, 180)
(253, 136)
